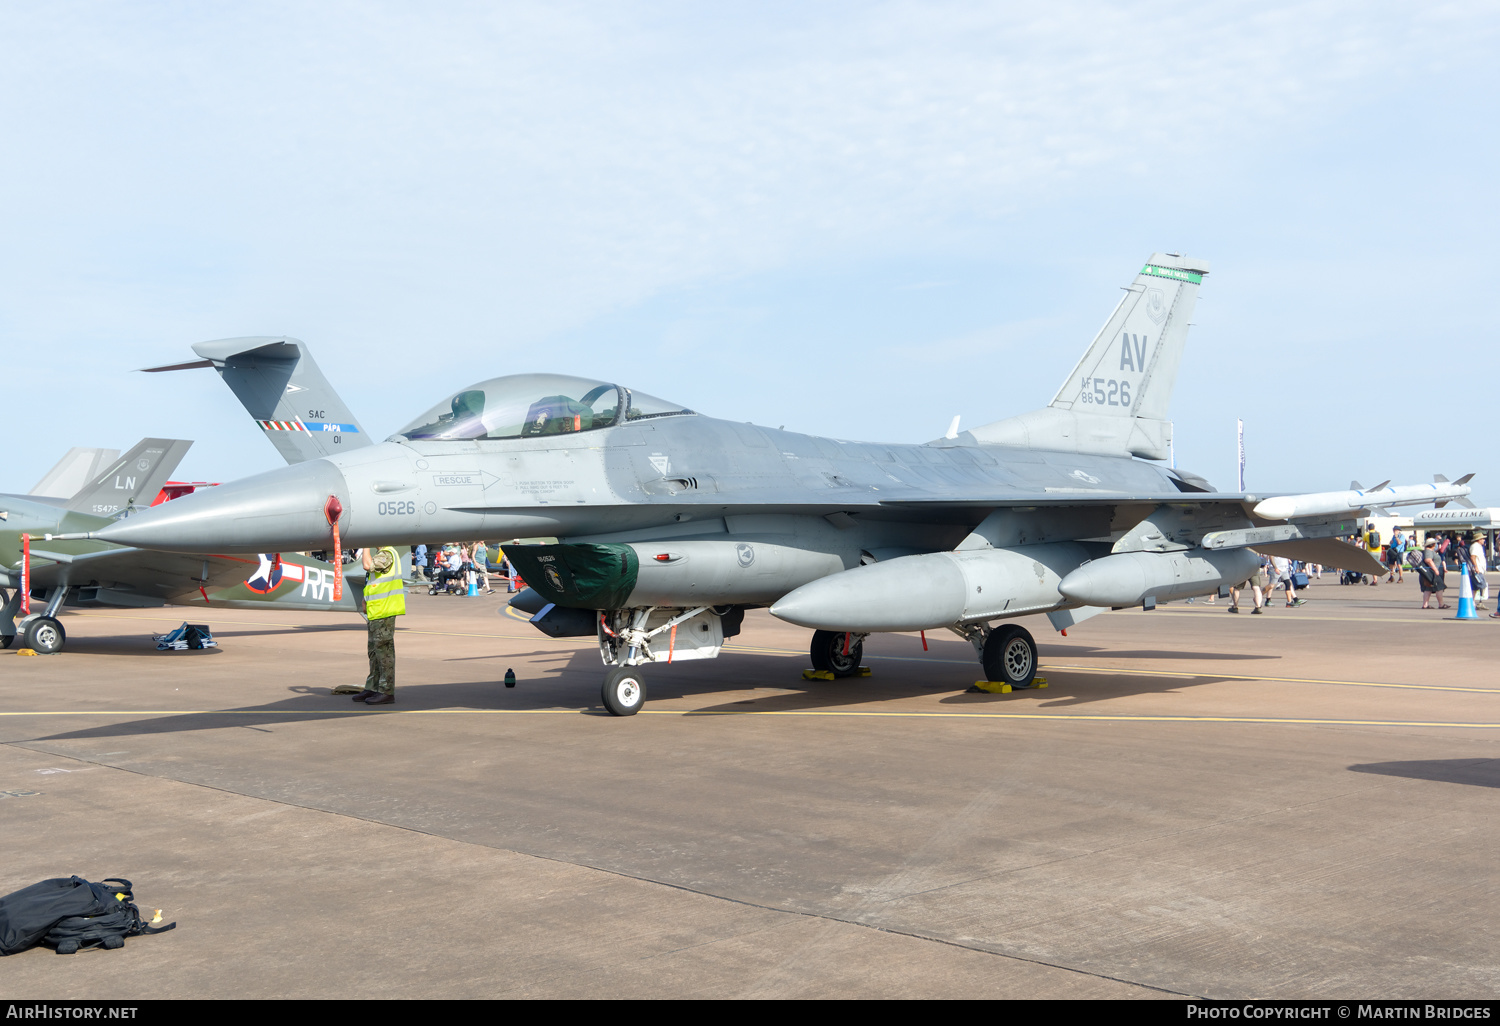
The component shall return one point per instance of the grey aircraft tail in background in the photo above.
(285, 393)
(672, 523)
(77, 468)
(128, 482)
(100, 574)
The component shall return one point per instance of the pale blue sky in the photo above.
(851, 219)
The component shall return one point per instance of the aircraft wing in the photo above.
(1326, 552)
(122, 576)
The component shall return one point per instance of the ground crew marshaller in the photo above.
(385, 599)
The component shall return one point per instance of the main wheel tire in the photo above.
(624, 691)
(1010, 656)
(828, 653)
(45, 635)
(6, 640)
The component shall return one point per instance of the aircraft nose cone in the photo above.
(279, 511)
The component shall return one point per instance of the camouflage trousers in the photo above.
(381, 645)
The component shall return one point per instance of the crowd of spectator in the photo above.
(1430, 562)
(459, 568)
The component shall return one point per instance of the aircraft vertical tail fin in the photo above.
(134, 479)
(1130, 368)
(75, 470)
(281, 387)
(1115, 401)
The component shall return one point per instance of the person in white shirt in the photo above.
(1480, 570)
(1284, 575)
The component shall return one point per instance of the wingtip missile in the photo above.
(1290, 507)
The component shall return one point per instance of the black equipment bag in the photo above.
(71, 913)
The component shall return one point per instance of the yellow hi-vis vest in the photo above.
(385, 596)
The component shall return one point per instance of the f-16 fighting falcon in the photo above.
(671, 523)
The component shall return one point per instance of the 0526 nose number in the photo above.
(396, 509)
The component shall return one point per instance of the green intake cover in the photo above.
(580, 576)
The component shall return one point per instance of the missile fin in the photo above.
(1439, 479)
(1355, 486)
(1381, 485)
(1465, 479)
(1463, 500)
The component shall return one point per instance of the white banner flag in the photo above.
(1241, 424)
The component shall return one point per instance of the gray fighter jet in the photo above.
(91, 574)
(671, 523)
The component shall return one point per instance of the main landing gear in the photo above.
(1007, 653)
(44, 635)
(1009, 656)
(41, 632)
(837, 652)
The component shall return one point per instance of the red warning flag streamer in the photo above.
(333, 509)
(25, 575)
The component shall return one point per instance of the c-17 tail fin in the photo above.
(134, 479)
(281, 386)
(1115, 401)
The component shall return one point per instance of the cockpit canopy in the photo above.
(529, 405)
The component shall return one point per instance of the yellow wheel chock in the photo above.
(995, 687)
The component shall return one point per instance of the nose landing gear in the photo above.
(624, 690)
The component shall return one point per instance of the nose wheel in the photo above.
(1010, 656)
(624, 691)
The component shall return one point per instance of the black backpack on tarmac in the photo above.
(71, 913)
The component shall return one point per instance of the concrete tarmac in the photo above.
(1296, 804)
